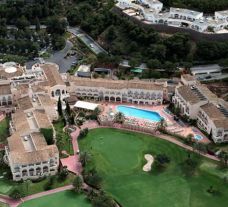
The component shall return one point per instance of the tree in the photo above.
(161, 160)
(63, 173)
(59, 105)
(119, 118)
(22, 23)
(94, 180)
(68, 110)
(84, 158)
(223, 159)
(37, 23)
(77, 183)
(17, 193)
(48, 135)
(162, 124)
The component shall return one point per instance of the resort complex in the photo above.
(151, 12)
(37, 100)
(113, 103)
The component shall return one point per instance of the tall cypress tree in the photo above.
(59, 105)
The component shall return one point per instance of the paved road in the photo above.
(86, 39)
(58, 58)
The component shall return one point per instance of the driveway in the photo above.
(87, 40)
(58, 58)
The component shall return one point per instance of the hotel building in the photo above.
(137, 92)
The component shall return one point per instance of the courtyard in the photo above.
(118, 156)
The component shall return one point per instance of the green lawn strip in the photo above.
(63, 139)
(4, 129)
(119, 158)
(66, 198)
(3, 205)
(29, 187)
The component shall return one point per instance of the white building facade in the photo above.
(151, 11)
(119, 91)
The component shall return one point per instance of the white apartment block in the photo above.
(137, 92)
(214, 120)
(29, 156)
(188, 99)
(197, 102)
(151, 11)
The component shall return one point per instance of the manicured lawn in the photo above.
(63, 139)
(28, 188)
(119, 157)
(65, 199)
(4, 129)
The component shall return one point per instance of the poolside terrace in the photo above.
(173, 126)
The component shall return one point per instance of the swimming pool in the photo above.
(139, 113)
(198, 137)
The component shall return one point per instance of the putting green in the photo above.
(61, 199)
(119, 156)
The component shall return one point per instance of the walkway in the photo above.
(73, 162)
(14, 203)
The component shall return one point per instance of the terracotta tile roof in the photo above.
(42, 118)
(5, 88)
(46, 100)
(112, 84)
(40, 152)
(188, 94)
(188, 77)
(213, 112)
(24, 103)
(20, 121)
(52, 74)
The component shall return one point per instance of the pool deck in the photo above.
(173, 126)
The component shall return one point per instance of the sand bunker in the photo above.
(150, 159)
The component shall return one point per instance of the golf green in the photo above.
(118, 157)
(65, 198)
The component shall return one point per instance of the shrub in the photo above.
(48, 135)
(83, 133)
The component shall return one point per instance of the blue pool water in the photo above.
(198, 137)
(139, 113)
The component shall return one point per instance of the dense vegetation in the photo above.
(25, 41)
(124, 39)
(119, 36)
(207, 6)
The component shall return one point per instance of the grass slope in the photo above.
(118, 157)
(65, 198)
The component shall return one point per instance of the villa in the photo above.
(137, 92)
(151, 12)
(29, 156)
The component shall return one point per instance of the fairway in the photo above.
(119, 157)
(62, 199)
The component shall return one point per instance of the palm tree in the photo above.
(162, 124)
(119, 118)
